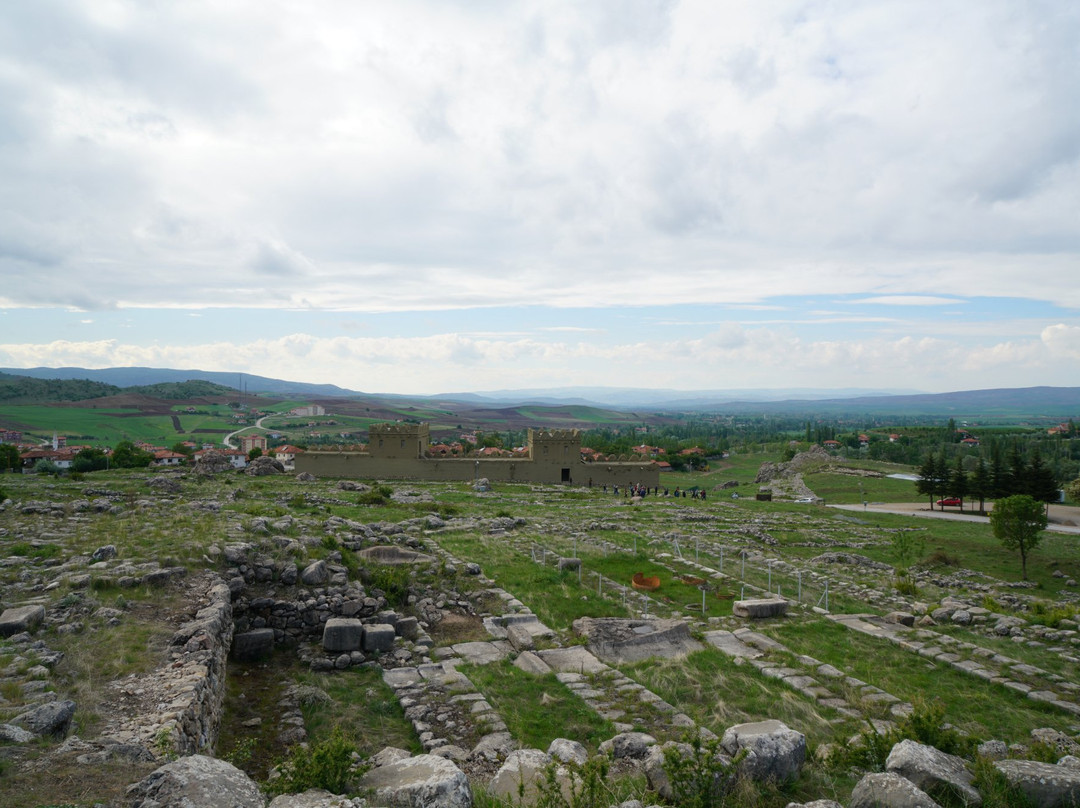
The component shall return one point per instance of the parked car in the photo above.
(954, 501)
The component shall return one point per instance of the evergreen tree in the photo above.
(999, 475)
(982, 484)
(927, 484)
(958, 481)
(1017, 472)
(1040, 482)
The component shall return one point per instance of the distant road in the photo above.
(228, 439)
(1063, 518)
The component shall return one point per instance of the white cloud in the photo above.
(732, 357)
(905, 300)
(421, 157)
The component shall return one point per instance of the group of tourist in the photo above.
(635, 490)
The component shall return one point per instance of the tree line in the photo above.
(1005, 475)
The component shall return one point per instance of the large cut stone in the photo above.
(379, 637)
(425, 781)
(253, 644)
(197, 780)
(760, 608)
(342, 634)
(1044, 784)
(19, 619)
(774, 751)
(929, 768)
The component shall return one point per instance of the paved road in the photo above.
(1063, 518)
(227, 440)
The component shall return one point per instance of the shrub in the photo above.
(393, 581)
(378, 495)
(326, 765)
(588, 786)
(701, 779)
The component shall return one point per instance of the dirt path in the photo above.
(1063, 518)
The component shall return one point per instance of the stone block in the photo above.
(520, 638)
(253, 644)
(378, 637)
(760, 608)
(343, 634)
(20, 618)
(408, 627)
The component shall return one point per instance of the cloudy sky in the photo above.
(425, 197)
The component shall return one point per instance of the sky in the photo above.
(431, 197)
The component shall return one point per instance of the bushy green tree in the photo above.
(9, 457)
(1018, 522)
(126, 455)
(89, 460)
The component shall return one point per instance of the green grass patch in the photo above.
(1005, 715)
(538, 709)
(716, 692)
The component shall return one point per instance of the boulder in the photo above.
(633, 745)
(19, 619)
(342, 634)
(760, 608)
(263, 466)
(196, 780)
(1044, 784)
(316, 798)
(930, 768)
(887, 790)
(903, 618)
(316, 573)
(212, 462)
(104, 553)
(424, 781)
(254, 644)
(12, 734)
(521, 777)
(52, 718)
(568, 751)
(774, 751)
(815, 804)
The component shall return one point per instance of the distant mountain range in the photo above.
(1046, 402)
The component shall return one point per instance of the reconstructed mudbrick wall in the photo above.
(361, 465)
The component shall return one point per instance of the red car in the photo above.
(949, 501)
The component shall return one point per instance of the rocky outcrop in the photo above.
(197, 780)
(617, 640)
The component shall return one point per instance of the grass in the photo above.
(538, 709)
(556, 597)
(1005, 716)
(717, 692)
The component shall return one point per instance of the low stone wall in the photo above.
(177, 709)
(199, 667)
